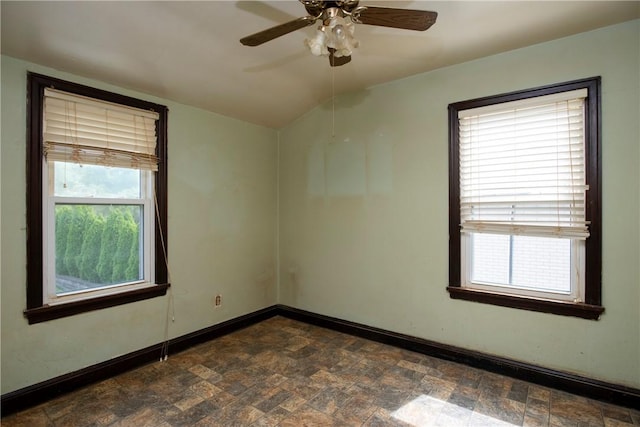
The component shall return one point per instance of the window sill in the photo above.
(582, 310)
(50, 312)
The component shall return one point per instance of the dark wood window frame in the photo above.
(37, 312)
(592, 307)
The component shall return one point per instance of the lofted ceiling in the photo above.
(190, 52)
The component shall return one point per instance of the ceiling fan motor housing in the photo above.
(317, 7)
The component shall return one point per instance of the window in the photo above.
(524, 205)
(96, 199)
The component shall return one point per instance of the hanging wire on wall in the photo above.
(164, 351)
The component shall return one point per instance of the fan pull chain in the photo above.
(333, 102)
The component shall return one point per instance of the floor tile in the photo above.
(284, 373)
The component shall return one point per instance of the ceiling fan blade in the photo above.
(407, 19)
(336, 61)
(277, 31)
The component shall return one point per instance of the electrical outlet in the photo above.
(217, 301)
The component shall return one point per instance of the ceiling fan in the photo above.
(335, 36)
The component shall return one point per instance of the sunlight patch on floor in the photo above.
(429, 411)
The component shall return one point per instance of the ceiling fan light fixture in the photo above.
(318, 44)
(336, 33)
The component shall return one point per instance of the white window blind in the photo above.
(85, 130)
(522, 167)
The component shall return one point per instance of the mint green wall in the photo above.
(222, 225)
(364, 215)
(362, 224)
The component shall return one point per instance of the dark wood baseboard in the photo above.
(46, 390)
(583, 386)
(591, 388)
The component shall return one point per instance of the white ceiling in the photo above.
(189, 51)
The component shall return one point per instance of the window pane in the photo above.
(542, 263)
(490, 258)
(77, 180)
(521, 262)
(97, 246)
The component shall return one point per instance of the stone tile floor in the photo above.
(285, 373)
